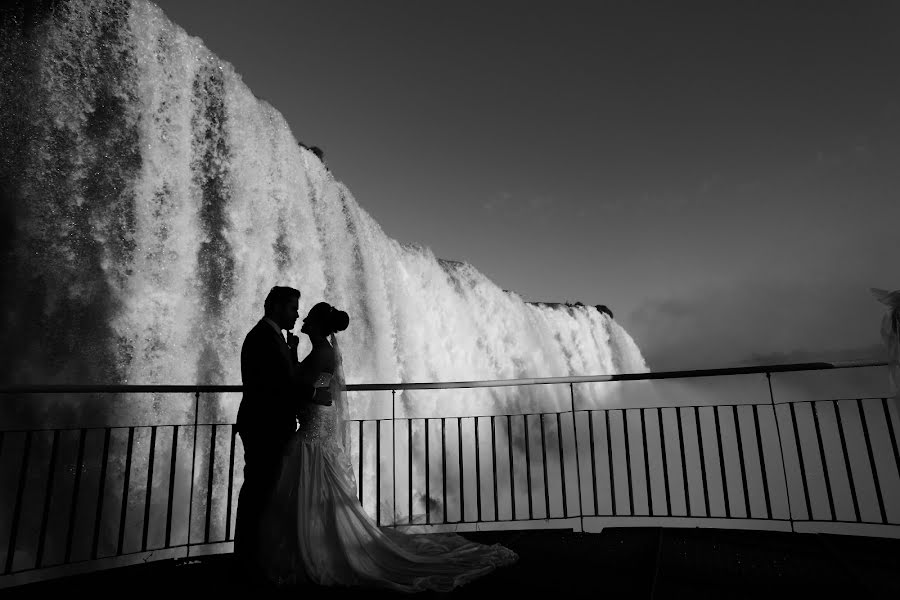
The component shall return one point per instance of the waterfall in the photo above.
(151, 201)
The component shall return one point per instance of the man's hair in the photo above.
(279, 296)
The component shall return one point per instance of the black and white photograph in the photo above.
(433, 299)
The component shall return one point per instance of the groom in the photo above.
(267, 415)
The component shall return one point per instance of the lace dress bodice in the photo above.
(317, 424)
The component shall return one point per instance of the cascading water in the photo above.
(150, 201)
(156, 201)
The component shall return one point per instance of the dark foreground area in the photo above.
(617, 563)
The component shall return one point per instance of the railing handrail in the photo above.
(359, 387)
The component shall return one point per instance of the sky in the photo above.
(724, 176)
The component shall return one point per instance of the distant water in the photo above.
(151, 200)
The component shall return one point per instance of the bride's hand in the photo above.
(292, 341)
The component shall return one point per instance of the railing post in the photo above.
(577, 457)
(393, 458)
(787, 491)
(193, 462)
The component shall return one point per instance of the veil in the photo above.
(341, 436)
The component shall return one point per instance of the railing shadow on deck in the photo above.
(77, 498)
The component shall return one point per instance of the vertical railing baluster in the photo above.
(891, 434)
(95, 544)
(127, 483)
(806, 497)
(702, 461)
(665, 462)
(477, 472)
(721, 447)
(684, 476)
(628, 463)
(148, 489)
(609, 461)
(865, 428)
(76, 488)
(762, 461)
(210, 475)
(740, 445)
(544, 460)
(444, 466)
(230, 495)
(577, 457)
(17, 507)
(48, 494)
(815, 410)
(837, 413)
(190, 520)
(494, 467)
(646, 462)
(361, 454)
(170, 506)
(393, 457)
(378, 470)
(590, 415)
(787, 491)
(562, 464)
(528, 468)
(462, 487)
(720, 444)
(512, 470)
(427, 477)
(409, 454)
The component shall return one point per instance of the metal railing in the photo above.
(80, 498)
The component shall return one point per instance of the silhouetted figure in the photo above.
(267, 414)
(315, 527)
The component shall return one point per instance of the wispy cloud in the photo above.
(497, 202)
(757, 323)
(506, 202)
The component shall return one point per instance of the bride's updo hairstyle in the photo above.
(331, 319)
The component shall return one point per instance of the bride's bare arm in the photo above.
(319, 361)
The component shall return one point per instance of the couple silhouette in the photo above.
(299, 520)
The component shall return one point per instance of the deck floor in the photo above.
(617, 563)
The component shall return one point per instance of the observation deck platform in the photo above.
(778, 481)
(620, 562)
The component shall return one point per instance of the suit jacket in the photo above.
(272, 392)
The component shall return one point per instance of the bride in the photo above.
(315, 528)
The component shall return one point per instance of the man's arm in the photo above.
(262, 364)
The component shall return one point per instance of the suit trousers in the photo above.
(263, 453)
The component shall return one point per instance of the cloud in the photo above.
(872, 352)
(506, 203)
(759, 323)
(497, 202)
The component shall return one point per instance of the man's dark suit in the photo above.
(266, 421)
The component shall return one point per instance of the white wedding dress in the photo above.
(315, 528)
